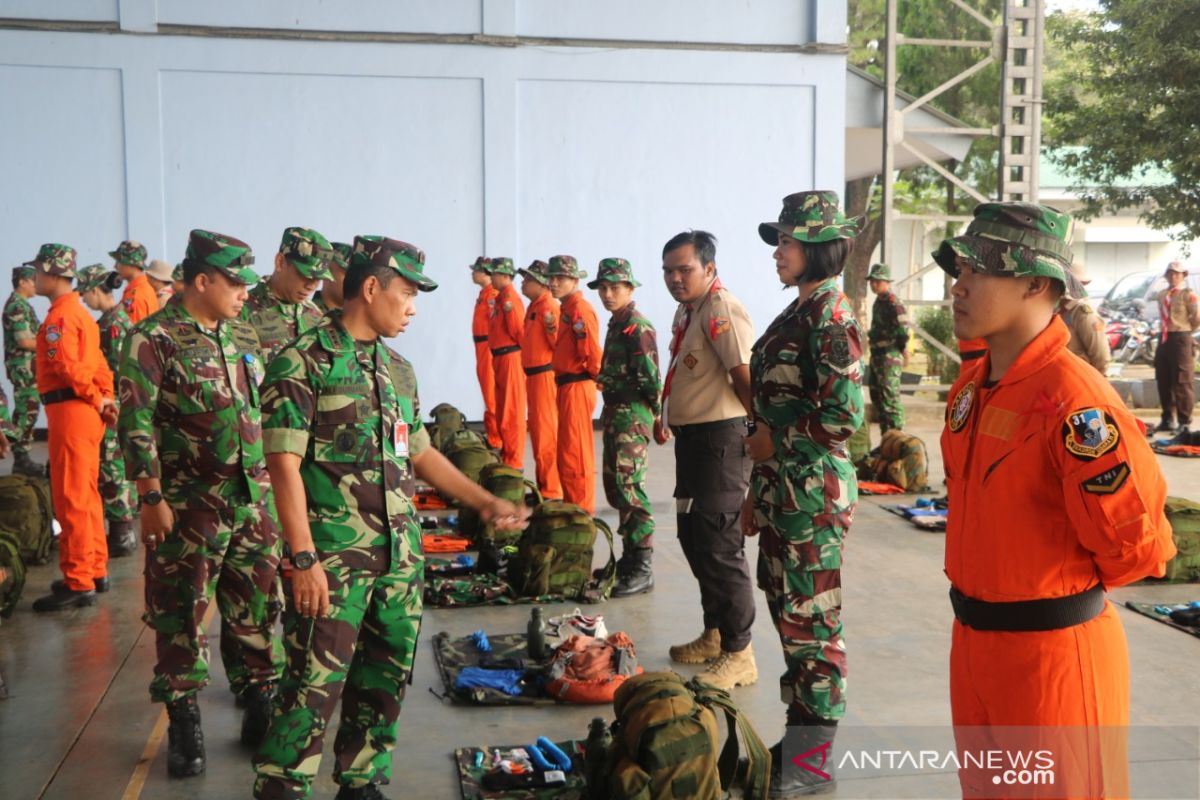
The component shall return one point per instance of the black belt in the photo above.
(503, 351)
(59, 396)
(572, 377)
(715, 425)
(538, 370)
(480, 338)
(1048, 614)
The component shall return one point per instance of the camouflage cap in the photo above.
(131, 253)
(614, 270)
(177, 273)
(341, 255)
(879, 272)
(502, 266)
(812, 217)
(406, 259)
(231, 257)
(564, 266)
(535, 271)
(56, 259)
(1016, 239)
(482, 264)
(26, 270)
(308, 251)
(92, 276)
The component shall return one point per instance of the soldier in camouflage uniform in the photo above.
(343, 425)
(887, 337)
(278, 307)
(95, 285)
(20, 341)
(807, 398)
(630, 384)
(191, 432)
(330, 295)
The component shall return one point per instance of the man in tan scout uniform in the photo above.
(1087, 329)
(1174, 363)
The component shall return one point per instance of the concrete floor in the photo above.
(79, 722)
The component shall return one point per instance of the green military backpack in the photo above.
(901, 461)
(447, 421)
(665, 743)
(554, 555)
(26, 513)
(469, 453)
(13, 580)
(507, 483)
(1184, 516)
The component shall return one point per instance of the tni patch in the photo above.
(1108, 481)
(1090, 433)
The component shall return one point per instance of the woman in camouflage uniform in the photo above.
(805, 376)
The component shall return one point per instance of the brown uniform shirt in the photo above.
(1087, 333)
(718, 338)
(1179, 309)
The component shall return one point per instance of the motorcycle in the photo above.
(1137, 343)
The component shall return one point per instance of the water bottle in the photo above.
(595, 755)
(537, 635)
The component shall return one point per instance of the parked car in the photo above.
(1136, 294)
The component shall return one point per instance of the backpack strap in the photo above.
(758, 771)
(603, 584)
(537, 493)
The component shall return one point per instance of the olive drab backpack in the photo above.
(554, 555)
(447, 421)
(665, 743)
(13, 568)
(469, 453)
(901, 460)
(26, 513)
(507, 483)
(1184, 516)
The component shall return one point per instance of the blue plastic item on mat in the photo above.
(452, 521)
(502, 680)
(924, 502)
(481, 641)
(465, 561)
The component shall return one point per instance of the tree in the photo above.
(1129, 99)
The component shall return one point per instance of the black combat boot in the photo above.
(636, 574)
(102, 585)
(812, 745)
(122, 541)
(24, 465)
(259, 702)
(185, 739)
(368, 792)
(64, 599)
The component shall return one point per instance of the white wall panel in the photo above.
(408, 16)
(77, 10)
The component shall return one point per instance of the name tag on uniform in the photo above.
(400, 438)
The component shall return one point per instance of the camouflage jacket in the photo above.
(350, 410)
(114, 326)
(806, 380)
(318, 300)
(190, 410)
(20, 322)
(629, 369)
(888, 331)
(275, 321)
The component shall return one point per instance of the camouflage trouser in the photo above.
(25, 407)
(233, 553)
(799, 570)
(884, 385)
(115, 491)
(627, 430)
(362, 653)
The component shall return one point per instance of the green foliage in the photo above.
(938, 323)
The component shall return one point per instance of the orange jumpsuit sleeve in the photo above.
(589, 346)
(514, 317)
(1115, 493)
(77, 362)
(550, 318)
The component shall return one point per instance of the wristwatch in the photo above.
(152, 498)
(304, 559)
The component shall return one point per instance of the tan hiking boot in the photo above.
(700, 650)
(731, 669)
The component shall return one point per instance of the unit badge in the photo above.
(960, 407)
(1108, 481)
(1090, 433)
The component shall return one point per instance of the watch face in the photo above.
(304, 560)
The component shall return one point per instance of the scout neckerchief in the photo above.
(677, 334)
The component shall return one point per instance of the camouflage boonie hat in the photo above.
(56, 259)
(482, 264)
(502, 266)
(614, 270)
(341, 255)
(535, 271)
(231, 257)
(131, 253)
(879, 272)
(92, 276)
(1015, 239)
(812, 217)
(565, 266)
(308, 251)
(26, 270)
(406, 259)
(177, 273)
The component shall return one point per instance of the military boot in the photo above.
(122, 541)
(185, 739)
(731, 669)
(637, 575)
(24, 465)
(64, 599)
(703, 648)
(802, 763)
(368, 792)
(259, 702)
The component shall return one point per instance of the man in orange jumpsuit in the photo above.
(506, 329)
(1054, 498)
(77, 391)
(140, 299)
(577, 355)
(481, 277)
(537, 352)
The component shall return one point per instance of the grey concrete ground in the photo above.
(79, 720)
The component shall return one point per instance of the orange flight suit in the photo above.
(971, 349)
(537, 352)
(483, 362)
(577, 356)
(140, 300)
(1052, 490)
(72, 378)
(505, 331)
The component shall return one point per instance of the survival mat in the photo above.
(471, 777)
(1161, 613)
(455, 655)
(928, 515)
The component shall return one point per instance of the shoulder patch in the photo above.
(53, 333)
(550, 319)
(717, 326)
(839, 346)
(1090, 433)
(960, 407)
(1108, 481)
(508, 306)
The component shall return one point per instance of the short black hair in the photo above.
(825, 259)
(193, 268)
(20, 276)
(704, 243)
(357, 275)
(111, 281)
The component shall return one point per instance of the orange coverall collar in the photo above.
(1037, 354)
